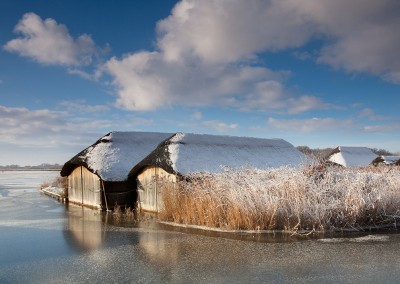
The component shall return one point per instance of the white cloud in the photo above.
(24, 127)
(145, 81)
(18, 122)
(372, 115)
(309, 125)
(270, 95)
(207, 52)
(363, 34)
(200, 47)
(80, 105)
(382, 128)
(220, 126)
(50, 43)
(142, 80)
(44, 136)
(227, 31)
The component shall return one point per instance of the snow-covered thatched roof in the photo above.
(115, 154)
(186, 153)
(352, 156)
(387, 160)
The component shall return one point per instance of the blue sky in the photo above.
(316, 73)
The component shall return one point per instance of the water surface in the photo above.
(43, 241)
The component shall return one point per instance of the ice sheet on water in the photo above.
(368, 238)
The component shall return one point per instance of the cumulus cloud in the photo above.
(309, 125)
(227, 31)
(362, 34)
(207, 52)
(50, 43)
(147, 81)
(200, 47)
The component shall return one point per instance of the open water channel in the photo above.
(44, 241)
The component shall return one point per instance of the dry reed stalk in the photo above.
(286, 199)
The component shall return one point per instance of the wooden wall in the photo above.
(150, 183)
(84, 187)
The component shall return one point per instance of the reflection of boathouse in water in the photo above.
(85, 229)
(125, 167)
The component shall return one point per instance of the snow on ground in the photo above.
(53, 190)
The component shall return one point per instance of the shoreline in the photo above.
(374, 229)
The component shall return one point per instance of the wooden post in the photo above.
(81, 185)
(155, 187)
(104, 193)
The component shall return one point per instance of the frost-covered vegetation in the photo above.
(58, 186)
(314, 198)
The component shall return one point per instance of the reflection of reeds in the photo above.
(127, 215)
(286, 199)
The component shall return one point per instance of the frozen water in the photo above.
(41, 241)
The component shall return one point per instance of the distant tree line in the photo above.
(382, 152)
(38, 167)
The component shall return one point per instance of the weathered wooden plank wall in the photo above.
(150, 183)
(84, 187)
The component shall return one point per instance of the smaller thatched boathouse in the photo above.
(351, 156)
(184, 153)
(387, 160)
(98, 175)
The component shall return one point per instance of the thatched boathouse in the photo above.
(98, 175)
(183, 154)
(351, 156)
(387, 160)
